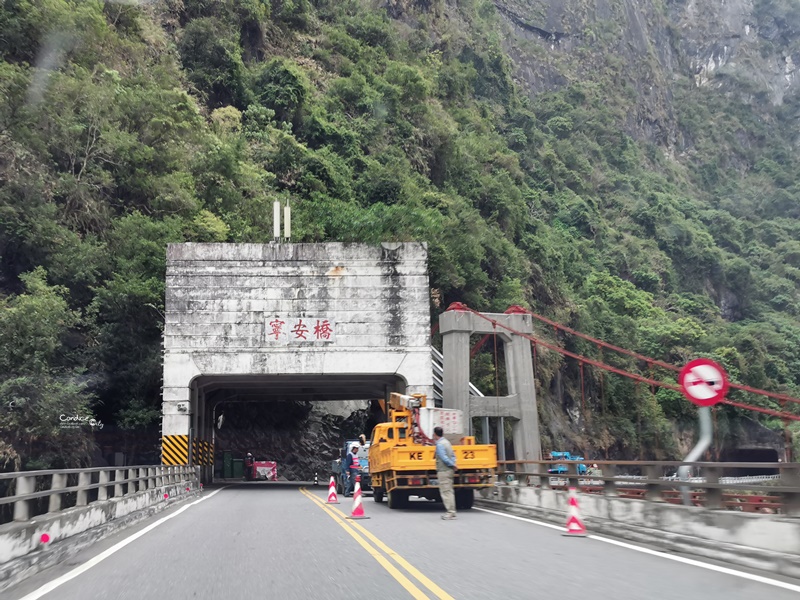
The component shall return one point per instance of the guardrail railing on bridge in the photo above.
(654, 481)
(38, 492)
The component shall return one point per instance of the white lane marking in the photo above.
(688, 561)
(49, 587)
(535, 522)
(702, 565)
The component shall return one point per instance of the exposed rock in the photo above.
(729, 306)
(302, 437)
(645, 45)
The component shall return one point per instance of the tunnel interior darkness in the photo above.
(744, 455)
(300, 422)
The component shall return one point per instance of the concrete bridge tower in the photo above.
(456, 326)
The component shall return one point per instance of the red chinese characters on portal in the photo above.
(275, 329)
(299, 330)
(323, 329)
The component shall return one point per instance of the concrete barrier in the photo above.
(759, 541)
(22, 553)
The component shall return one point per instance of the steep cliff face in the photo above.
(752, 42)
(639, 50)
(624, 46)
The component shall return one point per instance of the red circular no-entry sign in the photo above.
(703, 382)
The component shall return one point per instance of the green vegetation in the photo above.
(124, 127)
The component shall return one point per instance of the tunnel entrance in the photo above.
(745, 455)
(298, 422)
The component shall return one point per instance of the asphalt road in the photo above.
(265, 541)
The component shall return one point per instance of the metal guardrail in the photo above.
(632, 479)
(653, 481)
(38, 492)
(750, 479)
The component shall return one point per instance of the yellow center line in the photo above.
(413, 571)
(412, 589)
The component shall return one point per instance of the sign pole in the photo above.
(706, 436)
(704, 383)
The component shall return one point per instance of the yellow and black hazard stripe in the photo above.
(209, 454)
(202, 453)
(175, 450)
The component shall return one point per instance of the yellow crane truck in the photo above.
(402, 454)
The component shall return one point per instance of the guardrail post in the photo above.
(572, 470)
(499, 474)
(57, 482)
(528, 476)
(713, 495)
(653, 487)
(159, 476)
(790, 477)
(84, 480)
(544, 480)
(119, 477)
(102, 491)
(131, 481)
(609, 485)
(23, 485)
(142, 483)
(151, 478)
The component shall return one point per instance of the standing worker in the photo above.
(445, 471)
(353, 466)
(249, 462)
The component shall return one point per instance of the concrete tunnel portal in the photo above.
(280, 334)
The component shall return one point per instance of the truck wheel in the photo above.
(397, 499)
(465, 499)
(377, 494)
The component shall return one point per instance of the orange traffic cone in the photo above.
(332, 498)
(575, 527)
(358, 508)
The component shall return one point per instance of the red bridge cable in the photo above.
(597, 364)
(623, 373)
(578, 357)
(766, 411)
(647, 359)
(747, 388)
(589, 338)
